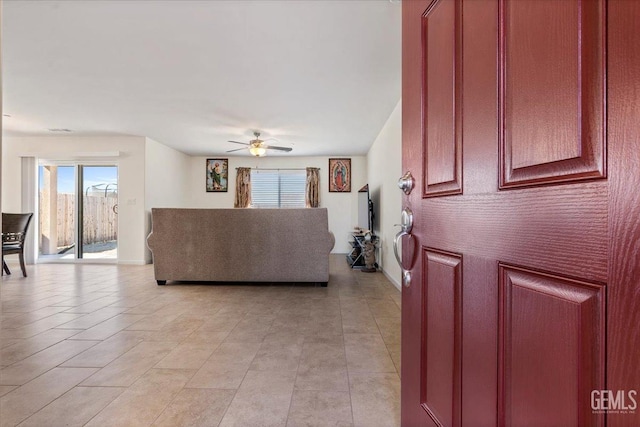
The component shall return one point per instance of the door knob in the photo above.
(406, 225)
(406, 182)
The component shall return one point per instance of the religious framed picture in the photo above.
(340, 175)
(217, 175)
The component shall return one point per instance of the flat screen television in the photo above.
(365, 209)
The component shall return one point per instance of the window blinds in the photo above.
(278, 188)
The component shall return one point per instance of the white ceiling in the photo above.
(320, 76)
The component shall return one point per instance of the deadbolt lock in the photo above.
(406, 183)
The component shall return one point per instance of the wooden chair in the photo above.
(14, 230)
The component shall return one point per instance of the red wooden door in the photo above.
(521, 126)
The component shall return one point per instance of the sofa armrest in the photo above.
(150, 240)
(332, 241)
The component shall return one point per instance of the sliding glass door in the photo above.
(78, 215)
(57, 190)
(99, 213)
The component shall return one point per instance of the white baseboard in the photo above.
(132, 262)
(393, 280)
(76, 261)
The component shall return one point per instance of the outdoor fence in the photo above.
(100, 219)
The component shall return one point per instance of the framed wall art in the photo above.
(340, 175)
(217, 175)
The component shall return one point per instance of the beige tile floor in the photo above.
(103, 345)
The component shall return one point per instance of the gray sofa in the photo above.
(240, 245)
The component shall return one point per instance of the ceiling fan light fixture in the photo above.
(256, 146)
(257, 151)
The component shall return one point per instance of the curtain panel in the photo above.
(243, 188)
(312, 193)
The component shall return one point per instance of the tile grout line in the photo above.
(173, 398)
(344, 349)
(293, 389)
(385, 343)
(224, 414)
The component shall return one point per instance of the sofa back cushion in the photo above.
(268, 245)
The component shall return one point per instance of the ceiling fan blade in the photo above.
(237, 149)
(236, 142)
(273, 147)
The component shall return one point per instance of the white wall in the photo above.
(166, 180)
(130, 158)
(153, 175)
(342, 207)
(384, 163)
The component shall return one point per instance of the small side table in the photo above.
(356, 257)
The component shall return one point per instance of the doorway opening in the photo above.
(78, 212)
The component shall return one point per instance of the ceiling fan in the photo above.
(257, 147)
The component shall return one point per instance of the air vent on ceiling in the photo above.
(59, 130)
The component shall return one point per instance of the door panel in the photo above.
(441, 336)
(532, 74)
(551, 348)
(442, 118)
(551, 91)
(545, 233)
